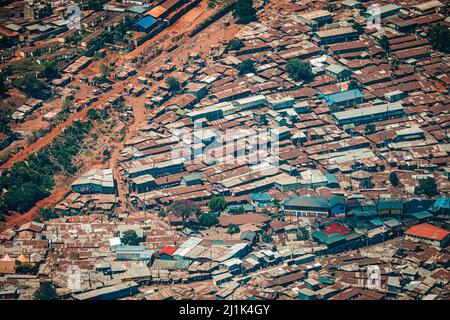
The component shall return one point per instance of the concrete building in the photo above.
(95, 181)
(369, 114)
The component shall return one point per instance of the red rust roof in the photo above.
(429, 231)
(169, 250)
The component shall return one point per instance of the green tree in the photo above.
(208, 219)
(23, 267)
(173, 84)
(232, 229)
(4, 122)
(217, 204)
(299, 70)
(439, 37)
(3, 87)
(266, 238)
(50, 70)
(370, 128)
(93, 114)
(235, 44)
(358, 27)
(46, 291)
(393, 178)
(130, 238)
(95, 5)
(47, 214)
(237, 210)
(31, 86)
(384, 43)
(244, 11)
(427, 186)
(184, 209)
(246, 66)
(353, 85)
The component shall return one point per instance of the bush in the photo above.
(173, 84)
(208, 219)
(217, 204)
(47, 214)
(46, 291)
(232, 229)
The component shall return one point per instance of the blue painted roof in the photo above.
(442, 202)
(343, 96)
(146, 22)
(331, 178)
(422, 215)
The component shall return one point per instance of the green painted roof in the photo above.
(311, 202)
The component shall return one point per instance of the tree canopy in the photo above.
(47, 214)
(208, 219)
(393, 178)
(31, 86)
(235, 44)
(184, 209)
(130, 238)
(244, 11)
(173, 84)
(232, 229)
(299, 70)
(46, 291)
(439, 36)
(217, 204)
(427, 186)
(246, 66)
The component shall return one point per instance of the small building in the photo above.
(302, 206)
(95, 181)
(222, 278)
(369, 114)
(134, 253)
(344, 99)
(428, 233)
(383, 11)
(307, 294)
(143, 183)
(393, 96)
(146, 24)
(114, 292)
(192, 179)
(167, 252)
(341, 73)
(390, 208)
(7, 265)
(335, 35)
(338, 206)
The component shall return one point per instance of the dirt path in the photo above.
(200, 43)
(18, 219)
